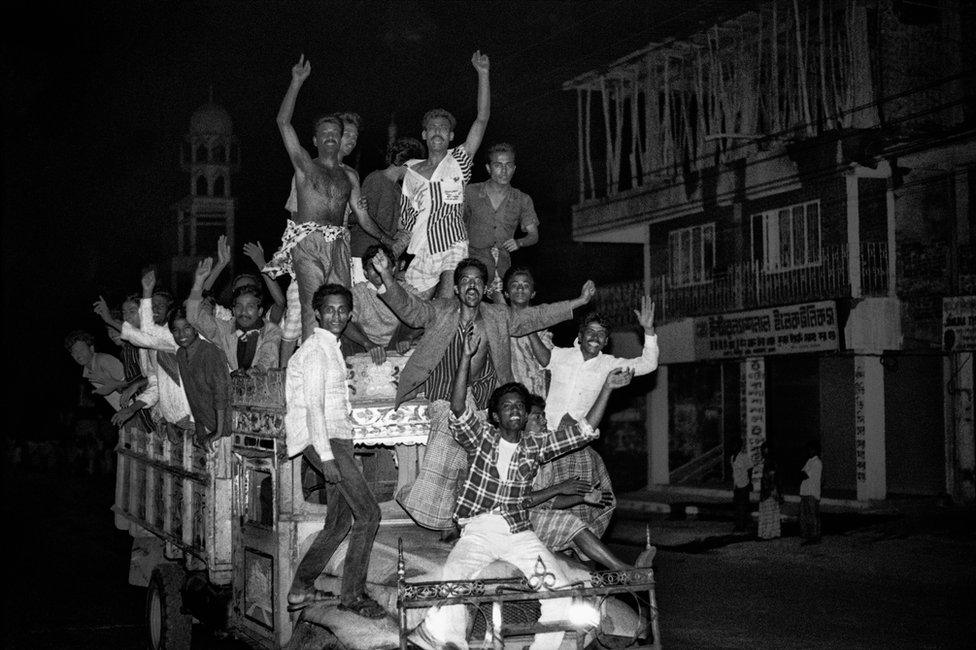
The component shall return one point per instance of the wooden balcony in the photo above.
(749, 285)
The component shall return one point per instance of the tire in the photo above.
(168, 627)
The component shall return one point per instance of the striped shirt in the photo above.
(440, 383)
(484, 490)
(433, 210)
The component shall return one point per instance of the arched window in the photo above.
(201, 185)
(218, 154)
(202, 153)
(218, 186)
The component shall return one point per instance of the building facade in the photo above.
(800, 179)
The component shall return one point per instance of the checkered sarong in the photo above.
(768, 522)
(557, 528)
(432, 497)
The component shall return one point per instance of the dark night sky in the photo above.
(99, 95)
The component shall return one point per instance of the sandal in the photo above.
(364, 606)
(310, 598)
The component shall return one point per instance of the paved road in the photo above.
(907, 583)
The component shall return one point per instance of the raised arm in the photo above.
(540, 350)
(459, 389)
(255, 252)
(477, 131)
(615, 379)
(299, 157)
(409, 308)
(205, 323)
(223, 259)
(647, 361)
(100, 307)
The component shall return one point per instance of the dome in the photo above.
(212, 119)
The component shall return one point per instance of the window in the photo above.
(692, 254)
(787, 238)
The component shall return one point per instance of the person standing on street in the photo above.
(810, 495)
(741, 464)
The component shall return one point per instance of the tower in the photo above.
(210, 154)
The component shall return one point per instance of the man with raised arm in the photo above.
(316, 243)
(492, 509)
(432, 226)
(430, 500)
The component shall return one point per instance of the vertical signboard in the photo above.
(754, 388)
(860, 432)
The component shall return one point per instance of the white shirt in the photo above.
(317, 396)
(741, 464)
(506, 450)
(575, 383)
(433, 209)
(810, 487)
(166, 396)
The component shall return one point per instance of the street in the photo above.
(904, 583)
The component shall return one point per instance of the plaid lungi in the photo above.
(768, 522)
(432, 497)
(557, 528)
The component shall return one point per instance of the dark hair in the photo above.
(500, 147)
(178, 312)
(469, 262)
(252, 276)
(330, 289)
(132, 297)
(371, 252)
(403, 149)
(166, 295)
(595, 317)
(536, 400)
(328, 118)
(348, 117)
(496, 397)
(247, 290)
(78, 335)
(438, 112)
(516, 270)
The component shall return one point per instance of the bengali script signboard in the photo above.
(808, 327)
(959, 323)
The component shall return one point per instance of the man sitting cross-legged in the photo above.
(492, 510)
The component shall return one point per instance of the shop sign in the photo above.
(808, 327)
(959, 323)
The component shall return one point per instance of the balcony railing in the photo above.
(750, 285)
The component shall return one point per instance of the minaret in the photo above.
(210, 154)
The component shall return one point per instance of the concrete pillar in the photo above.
(658, 469)
(869, 428)
(752, 388)
(853, 236)
(960, 445)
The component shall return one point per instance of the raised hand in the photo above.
(381, 263)
(223, 251)
(255, 252)
(646, 314)
(472, 340)
(148, 280)
(204, 267)
(619, 377)
(480, 61)
(100, 307)
(588, 291)
(301, 70)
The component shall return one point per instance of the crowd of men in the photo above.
(507, 472)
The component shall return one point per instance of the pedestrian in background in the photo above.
(741, 464)
(810, 495)
(770, 496)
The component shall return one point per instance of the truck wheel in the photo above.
(169, 628)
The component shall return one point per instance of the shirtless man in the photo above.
(316, 240)
(432, 222)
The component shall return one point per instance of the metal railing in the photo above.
(750, 285)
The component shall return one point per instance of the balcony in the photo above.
(749, 285)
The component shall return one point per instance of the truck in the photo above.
(217, 536)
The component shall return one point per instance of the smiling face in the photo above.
(350, 136)
(511, 412)
(130, 313)
(593, 338)
(82, 353)
(438, 134)
(247, 311)
(536, 420)
(334, 314)
(160, 309)
(328, 135)
(502, 167)
(183, 332)
(470, 287)
(520, 289)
